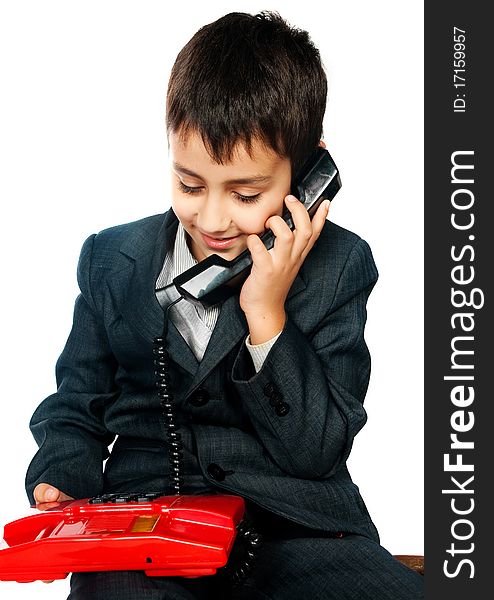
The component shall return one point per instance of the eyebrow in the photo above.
(239, 180)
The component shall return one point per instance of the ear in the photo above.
(322, 144)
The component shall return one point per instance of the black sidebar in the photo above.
(459, 256)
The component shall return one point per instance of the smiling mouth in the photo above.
(218, 239)
(218, 243)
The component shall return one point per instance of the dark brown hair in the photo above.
(246, 77)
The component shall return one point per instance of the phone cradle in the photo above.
(187, 536)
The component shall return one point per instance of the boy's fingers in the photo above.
(304, 245)
(324, 209)
(283, 239)
(317, 226)
(261, 257)
(48, 496)
(62, 497)
(306, 231)
(321, 215)
(301, 220)
(44, 492)
(255, 246)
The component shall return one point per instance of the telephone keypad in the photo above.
(125, 498)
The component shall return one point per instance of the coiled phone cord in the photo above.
(234, 573)
(174, 439)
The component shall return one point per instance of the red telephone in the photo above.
(187, 536)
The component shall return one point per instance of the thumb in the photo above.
(44, 492)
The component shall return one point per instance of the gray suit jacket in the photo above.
(292, 463)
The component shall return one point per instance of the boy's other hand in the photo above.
(48, 496)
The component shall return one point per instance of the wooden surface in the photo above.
(413, 561)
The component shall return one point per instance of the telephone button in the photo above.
(123, 499)
(282, 409)
(199, 398)
(216, 472)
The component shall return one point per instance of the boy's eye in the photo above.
(186, 189)
(247, 199)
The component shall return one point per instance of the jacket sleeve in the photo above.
(306, 402)
(68, 426)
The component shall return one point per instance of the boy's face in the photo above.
(215, 202)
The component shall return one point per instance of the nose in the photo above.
(212, 216)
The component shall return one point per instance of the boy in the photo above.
(268, 385)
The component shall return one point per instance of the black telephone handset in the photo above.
(214, 279)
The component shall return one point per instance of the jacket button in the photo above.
(282, 409)
(275, 398)
(199, 398)
(269, 389)
(216, 472)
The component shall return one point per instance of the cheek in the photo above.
(255, 221)
(181, 208)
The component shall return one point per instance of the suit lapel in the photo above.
(230, 328)
(140, 308)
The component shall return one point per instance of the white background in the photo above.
(83, 147)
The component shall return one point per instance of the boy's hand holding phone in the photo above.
(264, 292)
